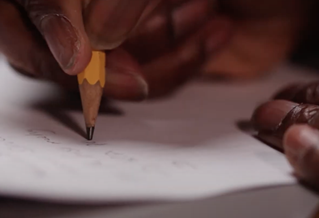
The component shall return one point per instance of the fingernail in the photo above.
(298, 141)
(127, 86)
(62, 39)
(268, 116)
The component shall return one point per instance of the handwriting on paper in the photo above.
(42, 134)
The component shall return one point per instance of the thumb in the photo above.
(60, 23)
(301, 144)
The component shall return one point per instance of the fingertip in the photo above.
(121, 59)
(124, 80)
(270, 114)
(125, 86)
(82, 60)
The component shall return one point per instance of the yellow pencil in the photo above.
(91, 83)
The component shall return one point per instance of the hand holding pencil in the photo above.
(52, 39)
(165, 42)
(49, 39)
(46, 38)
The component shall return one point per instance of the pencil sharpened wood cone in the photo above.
(91, 96)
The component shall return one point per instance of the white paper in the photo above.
(181, 148)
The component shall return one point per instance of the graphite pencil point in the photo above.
(89, 133)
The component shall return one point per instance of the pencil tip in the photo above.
(89, 133)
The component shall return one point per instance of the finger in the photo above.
(171, 70)
(274, 118)
(61, 24)
(124, 80)
(116, 19)
(300, 93)
(25, 49)
(30, 56)
(301, 143)
(191, 15)
(166, 27)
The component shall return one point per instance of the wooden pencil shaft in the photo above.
(91, 98)
(91, 83)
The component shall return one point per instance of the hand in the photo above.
(48, 38)
(291, 122)
(168, 41)
(241, 38)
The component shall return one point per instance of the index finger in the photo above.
(274, 118)
(108, 23)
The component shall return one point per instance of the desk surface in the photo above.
(284, 202)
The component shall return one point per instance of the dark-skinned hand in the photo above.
(153, 46)
(291, 123)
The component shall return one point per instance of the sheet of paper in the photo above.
(184, 147)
